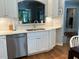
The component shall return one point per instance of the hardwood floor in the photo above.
(59, 52)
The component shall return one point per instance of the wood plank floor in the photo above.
(59, 52)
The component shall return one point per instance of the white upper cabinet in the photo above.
(52, 8)
(60, 3)
(11, 8)
(2, 8)
(8, 8)
(55, 8)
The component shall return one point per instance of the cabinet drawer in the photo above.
(3, 48)
(2, 37)
(34, 35)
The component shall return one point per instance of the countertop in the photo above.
(25, 31)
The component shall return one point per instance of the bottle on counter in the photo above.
(10, 27)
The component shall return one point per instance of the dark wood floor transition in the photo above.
(59, 52)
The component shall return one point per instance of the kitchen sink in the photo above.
(35, 29)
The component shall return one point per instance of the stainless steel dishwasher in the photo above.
(16, 45)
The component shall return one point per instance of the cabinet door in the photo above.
(60, 3)
(11, 8)
(2, 8)
(59, 40)
(33, 40)
(55, 8)
(37, 42)
(3, 48)
(32, 46)
(44, 42)
(52, 8)
(52, 38)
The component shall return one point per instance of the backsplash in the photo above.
(17, 25)
(29, 26)
(4, 22)
(56, 22)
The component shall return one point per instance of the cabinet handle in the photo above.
(37, 38)
(34, 39)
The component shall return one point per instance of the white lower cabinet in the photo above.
(37, 42)
(40, 41)
(3, 48)
(18, 45)
(52, 38)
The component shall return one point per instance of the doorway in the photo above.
(71, 17)
(71, 24)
